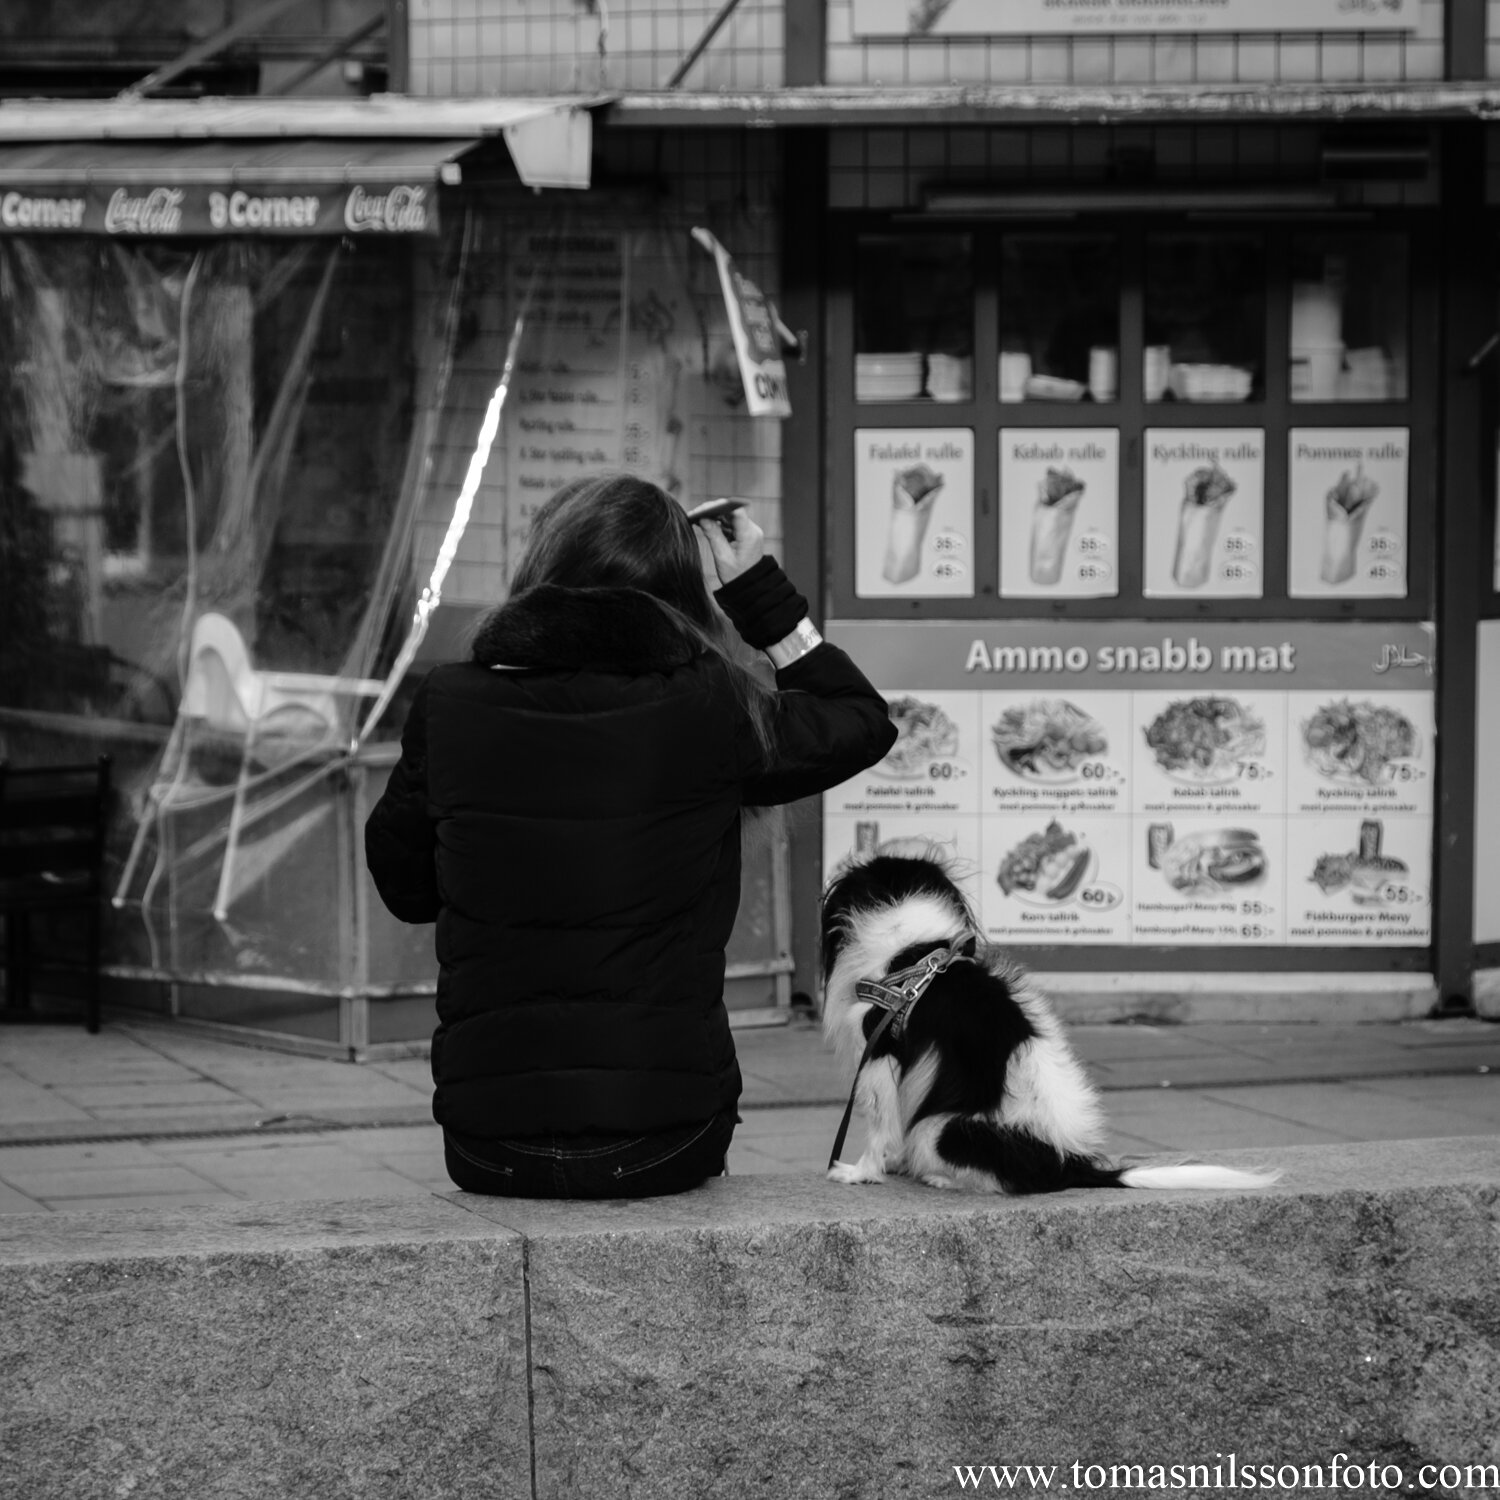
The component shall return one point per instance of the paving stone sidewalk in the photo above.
(143, 1114)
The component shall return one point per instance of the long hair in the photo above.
(621, 531)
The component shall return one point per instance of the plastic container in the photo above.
(1315, 371)
(1156, 370)
(1317, 315)
(1104, 373)
(1014, 372)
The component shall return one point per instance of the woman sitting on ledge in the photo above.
(567, 809)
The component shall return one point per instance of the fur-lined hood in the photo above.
(603, 630)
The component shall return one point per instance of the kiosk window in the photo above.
(1205, 318)
(1059, 317)
(914, 318)
(1349, 318)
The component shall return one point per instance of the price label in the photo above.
(948, 541)
(1237, 570)
(1238, 544)
(1253, 770)
(945, 770)
(948, 567)
(1256, 909)
(1404, 772)
(1094, 571)
(1098, 770)
(1092, 544)
(1101, 896)
(1384, 544)
(1255, 930)
(1398, 893)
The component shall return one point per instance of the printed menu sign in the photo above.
(1362, 752)
(933, 767)
(1190, 785)
(562, 421)
(1059, 513)
(1214, 752)
(1358, 880)
(954, 18)
(913, 512)
(1058, 879)
(1197, 883)
(1346, 531)
(1057, 753)
(1205, 497)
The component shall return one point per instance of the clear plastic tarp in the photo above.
(210, 461)
(239, 481)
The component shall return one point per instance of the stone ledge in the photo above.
(1177, 998)
(762, 1337)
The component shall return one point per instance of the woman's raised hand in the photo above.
(733, 556)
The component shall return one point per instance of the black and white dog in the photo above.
(973, 1084)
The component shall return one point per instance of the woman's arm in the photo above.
(400, 845)
(828, 723)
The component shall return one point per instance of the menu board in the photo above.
(1121, 782)
(562, 418)
(1359, 880)
(1059, 513)
(1205, 505)
(1346, 530)
(913, 512)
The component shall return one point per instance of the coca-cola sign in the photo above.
(402, 210)
(143, 208)
(157, 212)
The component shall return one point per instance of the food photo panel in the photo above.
(1346, 533)
(1360, 752)
(1208, 881)
(1059, 877)
(1054, 750)
(1202, 753)
(1059, 513)
(955, 840)
(913, 513)
(1359, 881)
(1205, 503)
(934, 766)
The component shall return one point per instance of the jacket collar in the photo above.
(605, 630)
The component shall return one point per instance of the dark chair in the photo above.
(52, 822)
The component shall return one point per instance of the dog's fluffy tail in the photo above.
(1195, 1175)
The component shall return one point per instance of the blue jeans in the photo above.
(600, 1166)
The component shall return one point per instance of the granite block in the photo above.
(329, 1350)
(789, 1339)
(777, 1337)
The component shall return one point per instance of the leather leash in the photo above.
(896, 994)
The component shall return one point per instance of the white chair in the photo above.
(282, 717)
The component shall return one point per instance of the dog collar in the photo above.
(899, 992)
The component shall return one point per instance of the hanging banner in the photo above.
(758, 335)
(949, 18)
(154, 210)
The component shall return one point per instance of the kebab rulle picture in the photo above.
(1205, 493)
(1057, 498)
(1345, 507)
(914, 492)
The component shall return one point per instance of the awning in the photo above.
(1040, 104)
(267, 166)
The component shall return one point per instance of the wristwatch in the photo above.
(793, 647)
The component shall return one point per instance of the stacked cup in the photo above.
(1317, 341)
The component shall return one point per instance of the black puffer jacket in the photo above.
(567, 809)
